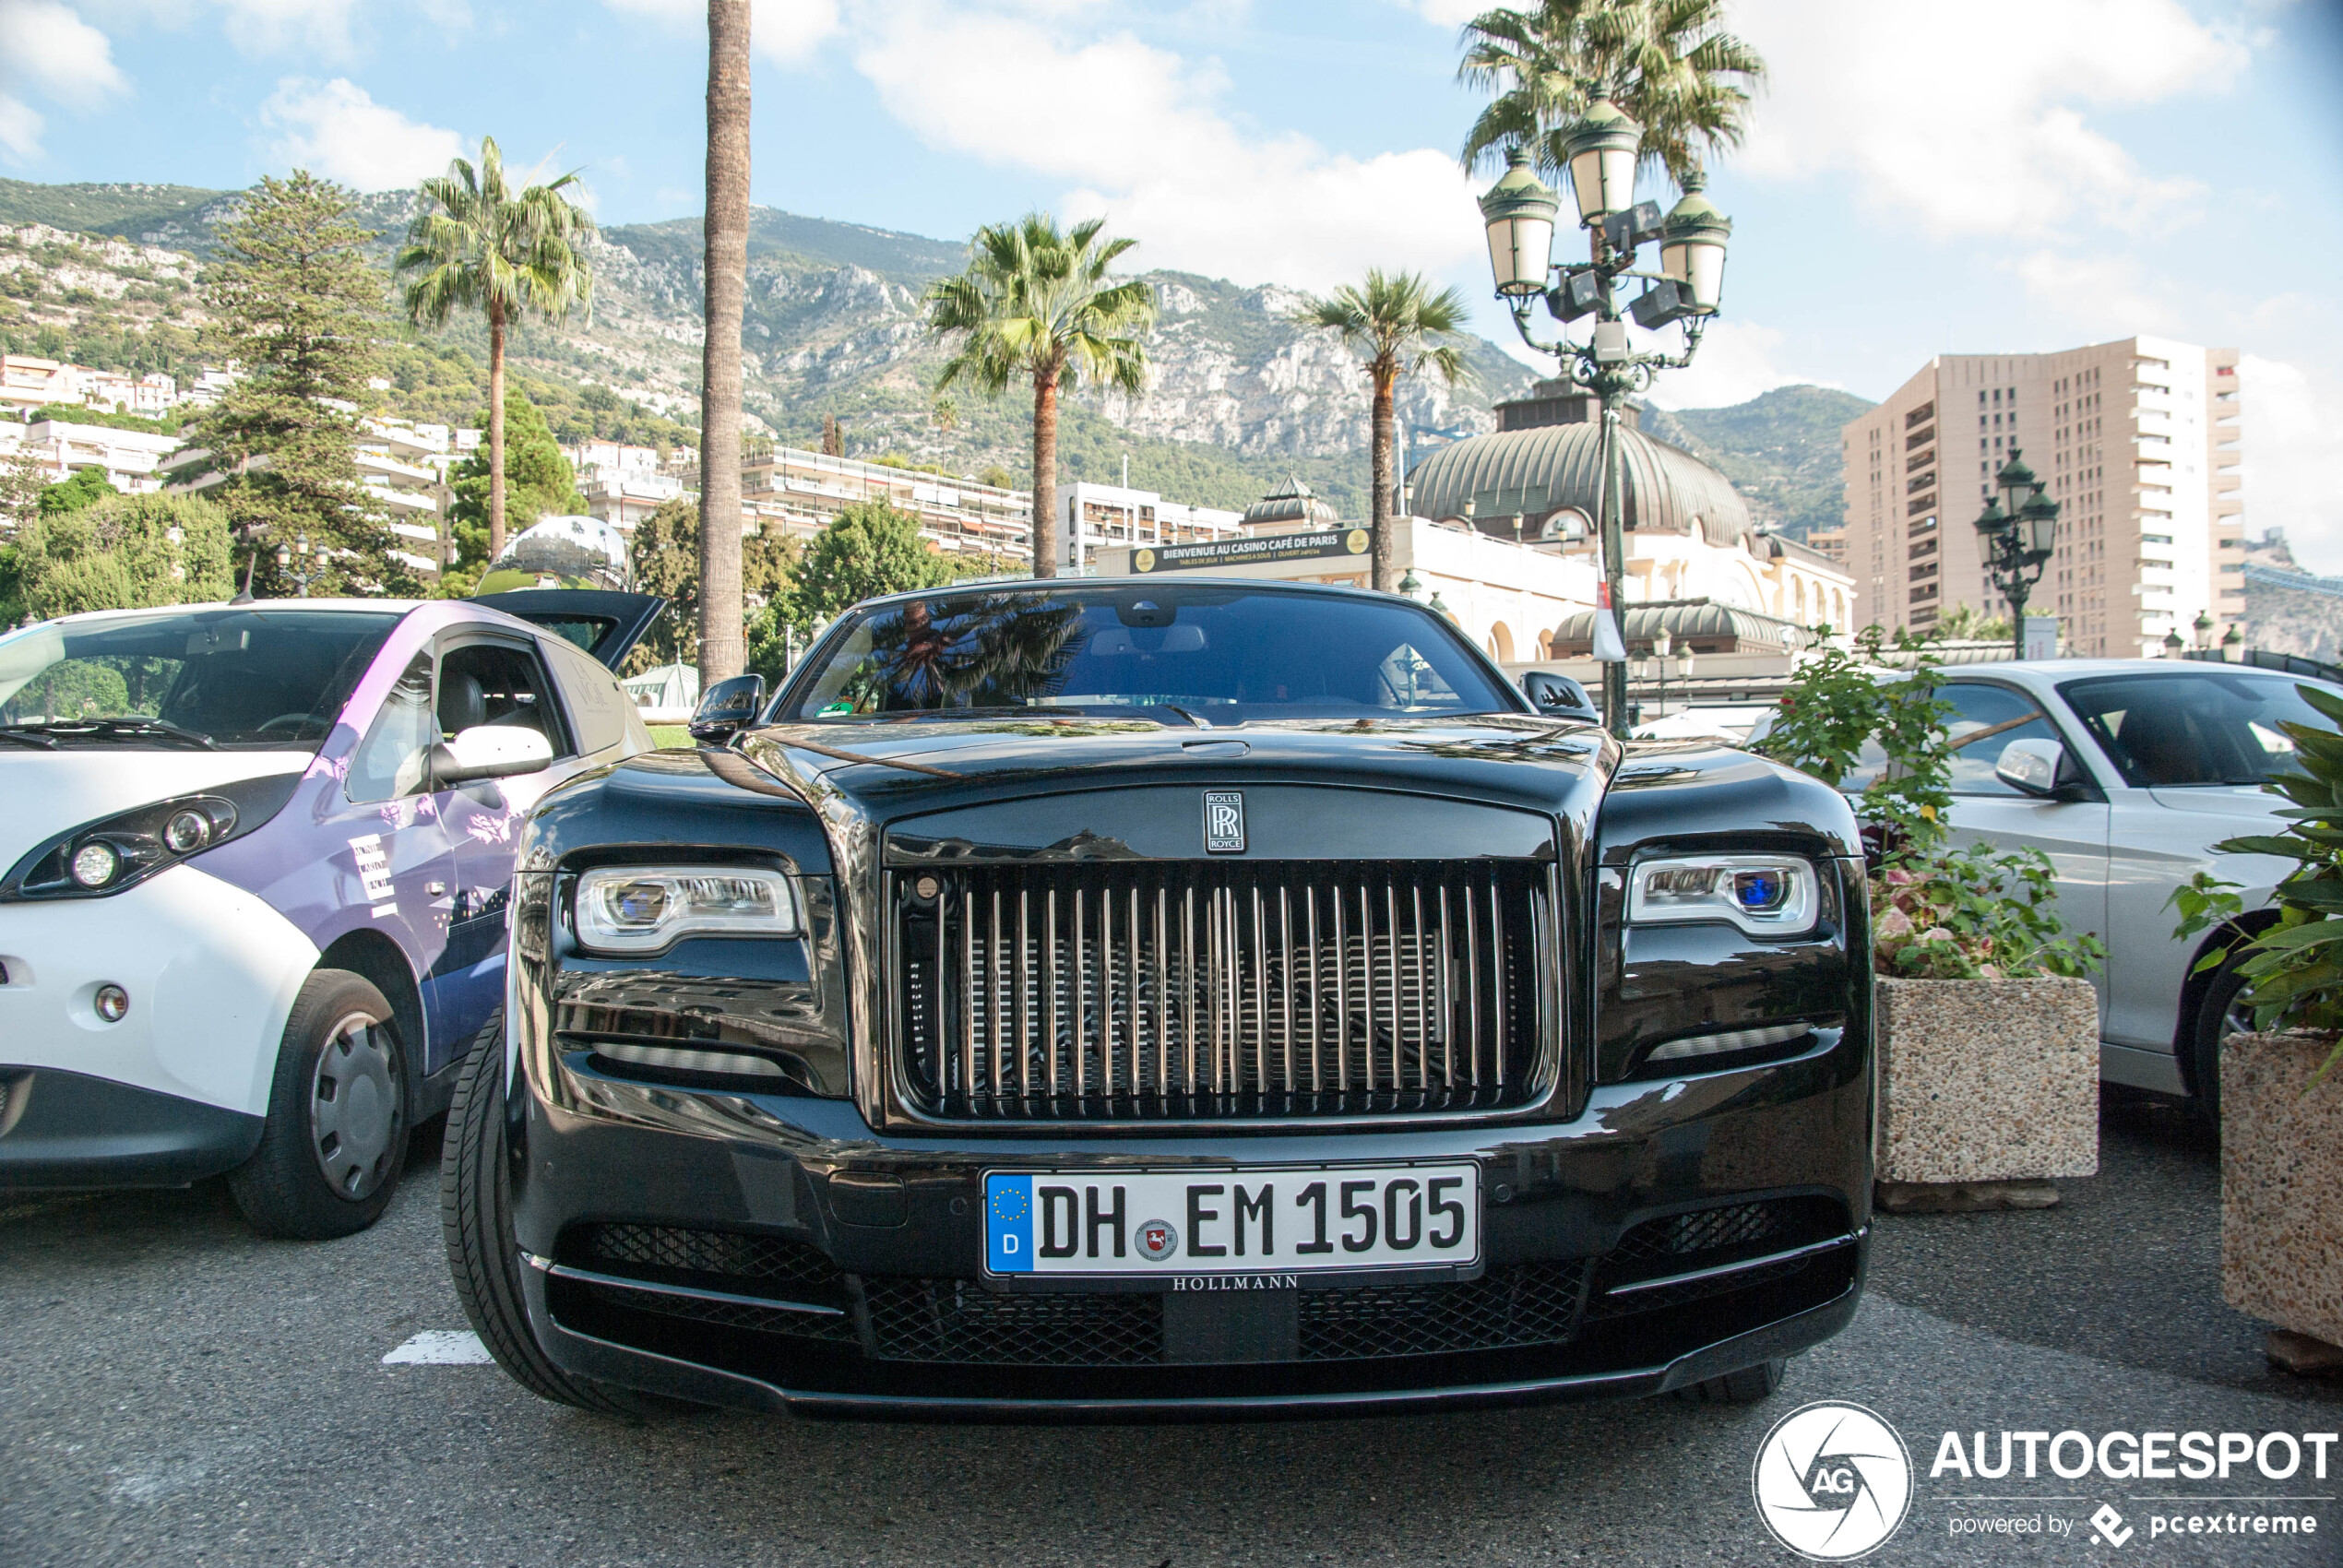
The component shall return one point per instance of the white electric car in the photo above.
(253, 877)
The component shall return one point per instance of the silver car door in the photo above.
(2072, 834)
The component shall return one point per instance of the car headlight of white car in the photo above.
(105, 857)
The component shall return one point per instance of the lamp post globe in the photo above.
(2017, 485)
(1993, 522)
(2202, 627)
(2037, 526)
(1518, 212)
(2173, 643)
(1692, 245)
(2232, 641)
(1601, 152)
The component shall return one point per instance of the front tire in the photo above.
(476, 1219)
(1747, 1386)
(335, 1136)
(2218, 1016)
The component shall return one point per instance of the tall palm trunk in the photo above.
(723, 642)
(1046, 474)
(1379, 525)
(495, 429)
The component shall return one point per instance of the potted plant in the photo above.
(2282, 1098)
(1987, 1033)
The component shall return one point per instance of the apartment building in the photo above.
(801, 492)
(131, 460)
(2138, 441)
(1092, 517)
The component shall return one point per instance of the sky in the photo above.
(1920, 178)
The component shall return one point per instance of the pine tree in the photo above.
(294, 302)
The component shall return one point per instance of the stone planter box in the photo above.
(2282, 1183)
(1988, 1091)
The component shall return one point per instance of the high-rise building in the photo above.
(2138, 442)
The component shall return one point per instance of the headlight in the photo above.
(120, 851)
(642, 909)
(1764, 894)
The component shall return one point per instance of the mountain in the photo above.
(1780, 449)
(1239, 396)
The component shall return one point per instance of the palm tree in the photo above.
(1668, 63)
(1397, 322)
(476, 244)
(723, 645)
(1036, 302)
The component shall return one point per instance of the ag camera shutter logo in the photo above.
(1833, 1481)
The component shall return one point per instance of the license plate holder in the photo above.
(1250, 1227)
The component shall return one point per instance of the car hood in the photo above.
(893, 770)
(49, 793)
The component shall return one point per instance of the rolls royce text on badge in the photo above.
(1203, 998)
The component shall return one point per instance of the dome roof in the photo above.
(1535, 473)
(1297, 502)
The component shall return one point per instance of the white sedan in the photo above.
(2125, 773)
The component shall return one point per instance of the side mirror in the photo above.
(489, 751)
(2039, 768)
(1559, 697)
(726, 708)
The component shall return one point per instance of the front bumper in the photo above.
(211, 971)
(776, 1252)
(60, 1131)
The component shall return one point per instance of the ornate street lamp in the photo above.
(300, 550)
(2015, 534)
(2202, 627)
(2173, 644)
(2233, 641)
(1601, 153)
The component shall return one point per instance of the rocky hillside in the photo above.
(1238, 395)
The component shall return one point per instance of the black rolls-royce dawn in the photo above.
(1167, 996)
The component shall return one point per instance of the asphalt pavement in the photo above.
(174, 1391)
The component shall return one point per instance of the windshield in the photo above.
(231, 677)
(2183, 729)
(1213, 654)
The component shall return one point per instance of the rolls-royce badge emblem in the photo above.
(1223, 822)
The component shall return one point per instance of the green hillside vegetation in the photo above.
(124, 211)
(1780, 449)
(789, 242)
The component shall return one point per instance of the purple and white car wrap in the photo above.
(142, 1012)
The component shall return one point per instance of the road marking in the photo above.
(441, 1348)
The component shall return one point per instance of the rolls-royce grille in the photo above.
(1219, 990)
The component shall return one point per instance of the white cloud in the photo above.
(316, 28)
(784, 32)
(1972, 125)
(2291, 450)
(1738, 359)
(1138, 133)
(337, 130)
(46, 47)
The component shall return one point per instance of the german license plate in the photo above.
(1280, 1222)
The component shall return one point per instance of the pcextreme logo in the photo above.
(1833, 1481)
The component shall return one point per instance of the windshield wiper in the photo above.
(1175, 707)
(109, 729)
(25, 737)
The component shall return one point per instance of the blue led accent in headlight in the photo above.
(1758, 890)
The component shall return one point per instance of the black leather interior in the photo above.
(462, 701)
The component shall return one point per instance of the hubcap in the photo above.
(353, 1106)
